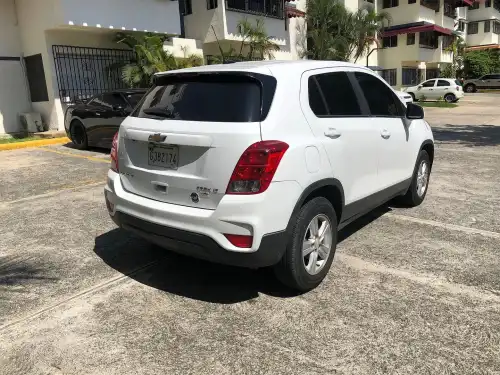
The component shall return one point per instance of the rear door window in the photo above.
(442, 82)
(331, 94)
(206, 98)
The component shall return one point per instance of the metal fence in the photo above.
(83, 72)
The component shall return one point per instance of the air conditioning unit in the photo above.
(31, 122)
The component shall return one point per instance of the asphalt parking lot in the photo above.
(410, 292)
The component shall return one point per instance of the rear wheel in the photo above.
(78, 135)
(413, 96)
(450, 98)
(419, 183)
(470, 88)
(310, 252)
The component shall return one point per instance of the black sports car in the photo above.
(95, 121)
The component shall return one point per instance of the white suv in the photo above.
(259, 164)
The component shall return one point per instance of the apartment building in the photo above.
(53, 51)
(483, 25)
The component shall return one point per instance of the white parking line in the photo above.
(439, 224)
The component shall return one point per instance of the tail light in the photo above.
(114, 154)
(240, 241)
(458, 88)
(255, 169)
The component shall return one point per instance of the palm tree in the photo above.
(150, 58)
(255, 37)
(335, 33)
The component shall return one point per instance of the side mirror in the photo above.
(420, 86)
(414, 112)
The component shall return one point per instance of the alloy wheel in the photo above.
(317, 244)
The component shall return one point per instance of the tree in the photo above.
(457, 49)
(479, 63)
(255, 43)
(150, 58)
(335, 33)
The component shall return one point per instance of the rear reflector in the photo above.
(114, 154)
(256, 168)
(239, 240)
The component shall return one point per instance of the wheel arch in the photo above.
(330, 188)
(428, 146)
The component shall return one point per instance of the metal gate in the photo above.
(83, 72)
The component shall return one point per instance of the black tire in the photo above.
(470, 88)
(78, 135)
(450, 98)
(413, 97)
(291, 270)
(412, 198)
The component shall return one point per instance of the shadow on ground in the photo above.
(468, 135)
(193, 278)
(17, 274)
(100, 150)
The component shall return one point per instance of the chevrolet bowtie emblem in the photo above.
(157, 137)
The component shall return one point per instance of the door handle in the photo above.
(332, 133)
(385, 134)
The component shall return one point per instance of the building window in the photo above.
(410, 76)
(410, 39)
(428, 39)
(496, 27)
(412, 1)
(496, 4)
(390, 41)
(449, 11)
(187, 7)
(211, 4)
(461, 25)
(447, 41)
(487, 3)
(431, 4)
(268, 8)
(390, 3)
(431, 74)
(473, 28)
(475, 5)
(487, 26)
(389, 75)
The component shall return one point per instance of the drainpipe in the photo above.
(181, 16)
(369, 53)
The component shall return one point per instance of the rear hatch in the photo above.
(184, 139)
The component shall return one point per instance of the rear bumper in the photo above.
(200, 232)
(271, 249)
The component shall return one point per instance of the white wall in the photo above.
(406, 13)
(275, 27)
(13, 91)
(181, 47)
(482, 13)
(482, 38)
(160, 16)
(198, 24)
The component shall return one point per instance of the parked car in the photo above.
(405, 98)
(446, 88)
(259, 164)
(488, 81)
(94, 122)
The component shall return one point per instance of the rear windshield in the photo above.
(209, 98)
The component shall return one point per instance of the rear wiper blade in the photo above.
(160, 112)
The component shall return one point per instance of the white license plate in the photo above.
(163, 156)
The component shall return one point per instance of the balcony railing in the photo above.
(267, 8)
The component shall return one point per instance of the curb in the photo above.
(40, 143)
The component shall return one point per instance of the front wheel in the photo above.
(312, 245)
(413, 97)
(419, 182)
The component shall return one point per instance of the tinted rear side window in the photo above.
(442, 82)
(335, 91)
(210, 98)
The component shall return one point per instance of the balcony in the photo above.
(266, 8)
(130, 15)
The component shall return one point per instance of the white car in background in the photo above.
(448, 89)
(405, 97)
